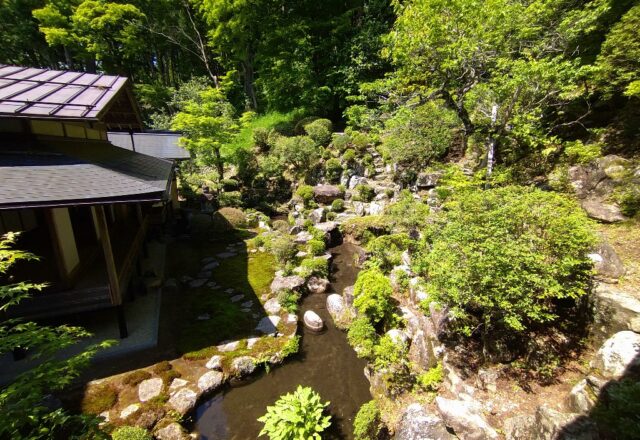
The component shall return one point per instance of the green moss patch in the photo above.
(99, 398)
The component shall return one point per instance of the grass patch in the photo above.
(99, 398)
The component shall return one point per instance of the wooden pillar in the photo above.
(175, 203)
(64, 243)
(114, 283)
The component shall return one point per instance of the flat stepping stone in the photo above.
(215, 363)
(183, 401)
(212, 284)
(212, 265)
(204, 274)
(171, 283)
(245, 310)
(131, 409)
(225, 255)
(229, 346)
(292, 318)
(237, 298)
(251, 342)
(207, 260)
(150, 388)
(176, 384)
(204, 317)
(247, 304)
(185, 279)
(268, 325)
(255, 315)
(229, 290)
(210, 380)
(197, 283)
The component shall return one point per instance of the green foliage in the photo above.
(283, 248)
(362, 337)
(578, 152)
(281, 226)
(349, 156)
(340, 142)
(316, 247)
(305, 192)
(292, 346)
(360, 140)
(25, 395)
(234, 217)
(431, 380)
(386, 250)
(407, 213)
(314, 266)
(333, 170)
(297, 415)
(365, 192)
(617, 413)
(415, 137)
(320, 131)
(629, 200)
(261, 138)
(502, 258)
(364, 228)
(288, 299)
(337, 205)
(368, 423)
(130, 433)
(388, 354)
(372, 295)
(99, 398)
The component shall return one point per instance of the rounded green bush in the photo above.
(130, 433)
(305, 192)
(349, 156)
(372, 294)
(337, 205)
(226, 219)
(367, 424)
(316, 247)
(340, 141)
(333, 170)
(320, 131)
(365, 192)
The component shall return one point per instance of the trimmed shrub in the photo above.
(261, 138)
(316, 247)
(131, 433)
(367, 424)
(281, 226)
(283, 248)
(361, 141)
(234, 216)
(320, 131)
(408, 213)
(337, 205)
(431, 380)
(340, 142)
(502, 259)
(349, 156)
(372, 294)
(387, 353)
(333, 170)
(297, 415)
(362, 337)
(305, 192)
(314, 266)
(230, 199)
(365, 192)
(331, 216)
(229, 185)
(386, 251)
(365, 228)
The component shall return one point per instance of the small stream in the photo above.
(325, 362)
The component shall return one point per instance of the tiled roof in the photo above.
(78, 172)
(163, 145)
(28, 91)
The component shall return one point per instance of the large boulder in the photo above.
(293, 282)
(172, 431)
(335, 306)
(331, 233)
(272, 306)
(243, 365)
(316, 215)
(326, 193)
(312, 321)
(549, 424)
(583, 396)
(465, 418)
(418, 424)
(606, 262)
(618, 355)
(602, 211)
(615, 310)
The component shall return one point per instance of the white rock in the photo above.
(618, 353)
(183, 400)
(150, 388)
(312, 321)
(251, 342)
(131, 409)
(465, 417)
(243, 365)
(291, 318)
(317, 285)
(210, 380)
(335, 305)
(398, 337)
(229, 346)
(215, 363)
(272, 306)
(176, 384)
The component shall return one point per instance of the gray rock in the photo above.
(357, 180)
(421, 352)
(312, 321)
(293, 282)
(272, 306)
(129, 410)
(615, 310)
(327, 227)
(204, 274)
(228, 346)
(418, 424)
(582, 398)
(619, 354)
(465, 418)
(247, 304)
(227, 254)
(428, 180)
(214, 363)
(171, 283)
(326, 193)
(316, 215)
(210, 380)
(606, 262)
(237, 298)
(303, 237)
(347, 295)
(207, 260)
(176, 384)
(376, 208)
(210, 266)
(243, 365)
(183, 400)
(172, 431)
(291, 318)
(335, 306)
(399, 337)
(602, 211)
(198, 283)
(549, 424)
(150, 388)
(317, 285)
(487, 380)
(268, 325)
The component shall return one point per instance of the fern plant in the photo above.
(296, 416)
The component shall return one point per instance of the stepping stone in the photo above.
(210, 380)
(272, 306)
(225, 255)
(211, 265)
(171, 283)
(253, 251)
(212, 284)
(292, 318)
(197, 283)
(247, 304)
(185, 279)
(131, 409)
(243, 365)
(176, 384)
(183, 401)
(207, 260)
(229, 290)
(251, 342)
(204, 274)
(150, 388)
(229, 346)
(268, 325)
(245, 310)
(204, 317)
(237, 298)
(215, 363)
(255, 315)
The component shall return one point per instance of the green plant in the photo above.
(305, 192)
(314, 266)
(281, 226)
(357, 227)
(233, 216)
(407, 214)
(386, 250)
(431, 379)
(367, 424)
(617, 410)
(283, 248)
(578, 152)
(230, 198)
(288, 299)
(333, 170)
(372, 294)
(362, 337)
(320, 131)
(295, 416)
(316, 247)
(365, 192)
(349, 156)
(261, 138)
(340, 141)
(360, 140)
(387, 353)
(292, 346)
(337, 205)
(331, 216)
(130, 433)
(501, 259)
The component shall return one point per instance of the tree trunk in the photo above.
(248, 76)
(219, 163)
(458, 107)
(491, 145)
